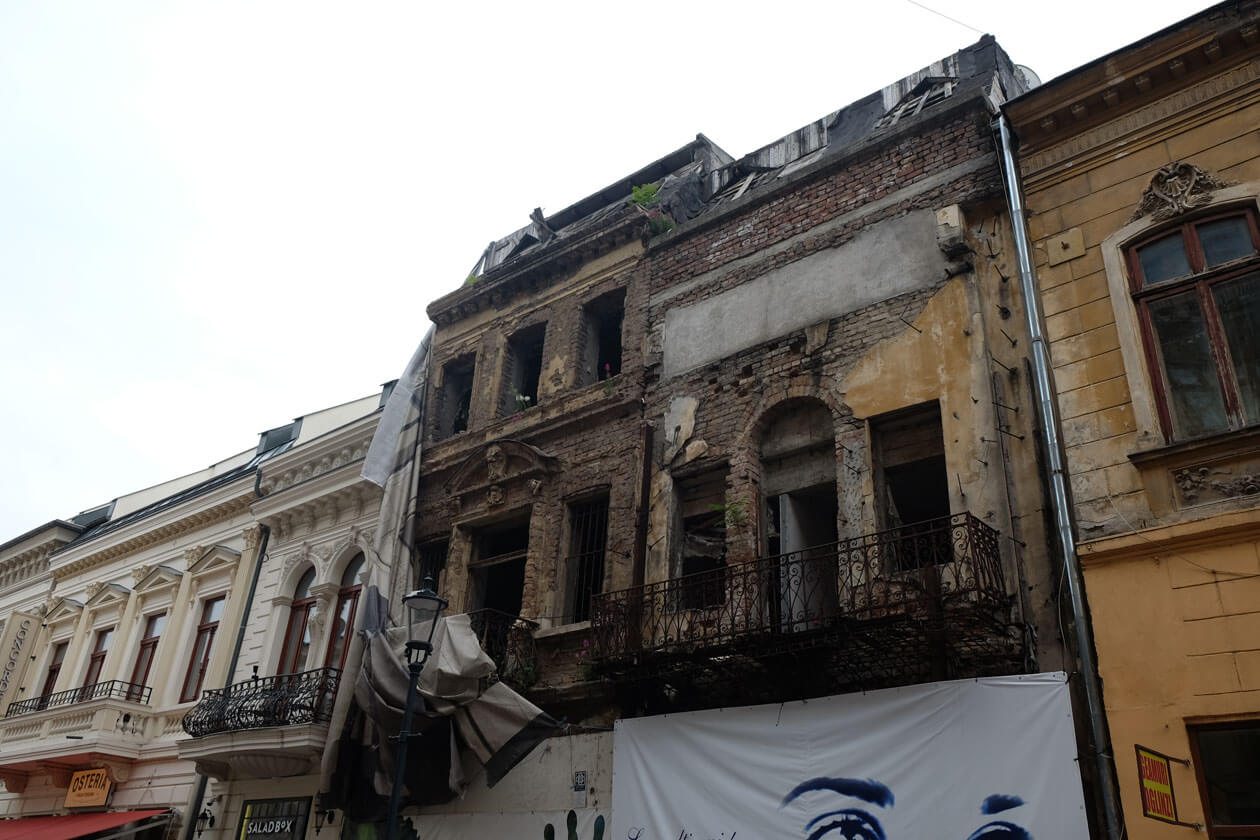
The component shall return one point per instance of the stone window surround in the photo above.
(1128, 328)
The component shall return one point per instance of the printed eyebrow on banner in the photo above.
(852, 823)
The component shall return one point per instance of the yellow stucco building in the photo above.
(1141, 173)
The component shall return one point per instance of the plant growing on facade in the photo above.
(471, 279)
(733, 514)
(644, 198)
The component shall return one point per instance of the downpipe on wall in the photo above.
(199, 793)
(1059, 502)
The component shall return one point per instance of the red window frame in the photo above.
(96, 662)
(344, 615)
(299, 620)
(1202, 279)
(153, 627)
(203, 643)
(54, 667)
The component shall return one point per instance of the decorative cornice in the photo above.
(315, 467)
(1155, 115)
(183, 525)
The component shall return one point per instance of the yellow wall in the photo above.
(1173, 588)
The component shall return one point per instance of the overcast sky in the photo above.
(216, 217)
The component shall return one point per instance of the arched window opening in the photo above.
(344, 614)
(297, 638)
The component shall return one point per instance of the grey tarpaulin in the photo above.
(497, 724)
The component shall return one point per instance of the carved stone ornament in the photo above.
(535, 486)
(93, 588)
(141, 572)
(252, 537)
(494, 495)
(496, 463)
(1198, 481)
(1176, 188)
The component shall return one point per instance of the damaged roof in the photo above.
(700, 177)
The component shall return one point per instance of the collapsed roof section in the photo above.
(700, 178)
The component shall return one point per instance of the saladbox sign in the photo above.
(952, 760)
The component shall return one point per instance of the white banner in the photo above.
(991, 758)
(582, 824)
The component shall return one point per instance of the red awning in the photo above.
(67, 828)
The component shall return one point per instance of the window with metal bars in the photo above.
(431, 560)
(588, 535)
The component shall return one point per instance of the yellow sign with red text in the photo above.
(1157, 793)
(89, 789)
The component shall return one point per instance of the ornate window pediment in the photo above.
(108, 595)
(498, 464)
(156, 578)
(216, 558)
(64, 610)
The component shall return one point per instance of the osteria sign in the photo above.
(89, 789)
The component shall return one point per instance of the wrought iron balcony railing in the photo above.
(115, 689)
(509, 641)
(282, 700)
(916, 571)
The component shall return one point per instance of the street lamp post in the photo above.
(423, 608)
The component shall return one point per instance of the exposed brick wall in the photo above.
(833, 194)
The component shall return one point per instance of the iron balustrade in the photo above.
(919, 571)
(282, 700)
(112, 689)
(509, 641)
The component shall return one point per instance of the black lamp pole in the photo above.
(423, 608)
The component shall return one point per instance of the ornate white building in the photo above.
(119, 622)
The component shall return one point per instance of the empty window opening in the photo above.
(497, 570)
(912, 485)
(927, 92)
(704, 516)
(601, 337)
(798, 480)
(522, 368)
(456, 395)
(588, 533)
(431, 560)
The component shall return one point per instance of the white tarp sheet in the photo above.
(584, 824)
(942, 760)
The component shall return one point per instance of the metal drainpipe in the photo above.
(200, 793)
(1058, 487)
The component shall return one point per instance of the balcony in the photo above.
(923, 602)
(113, 689)
(262, 727)
(509, 641)
(108, 721)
